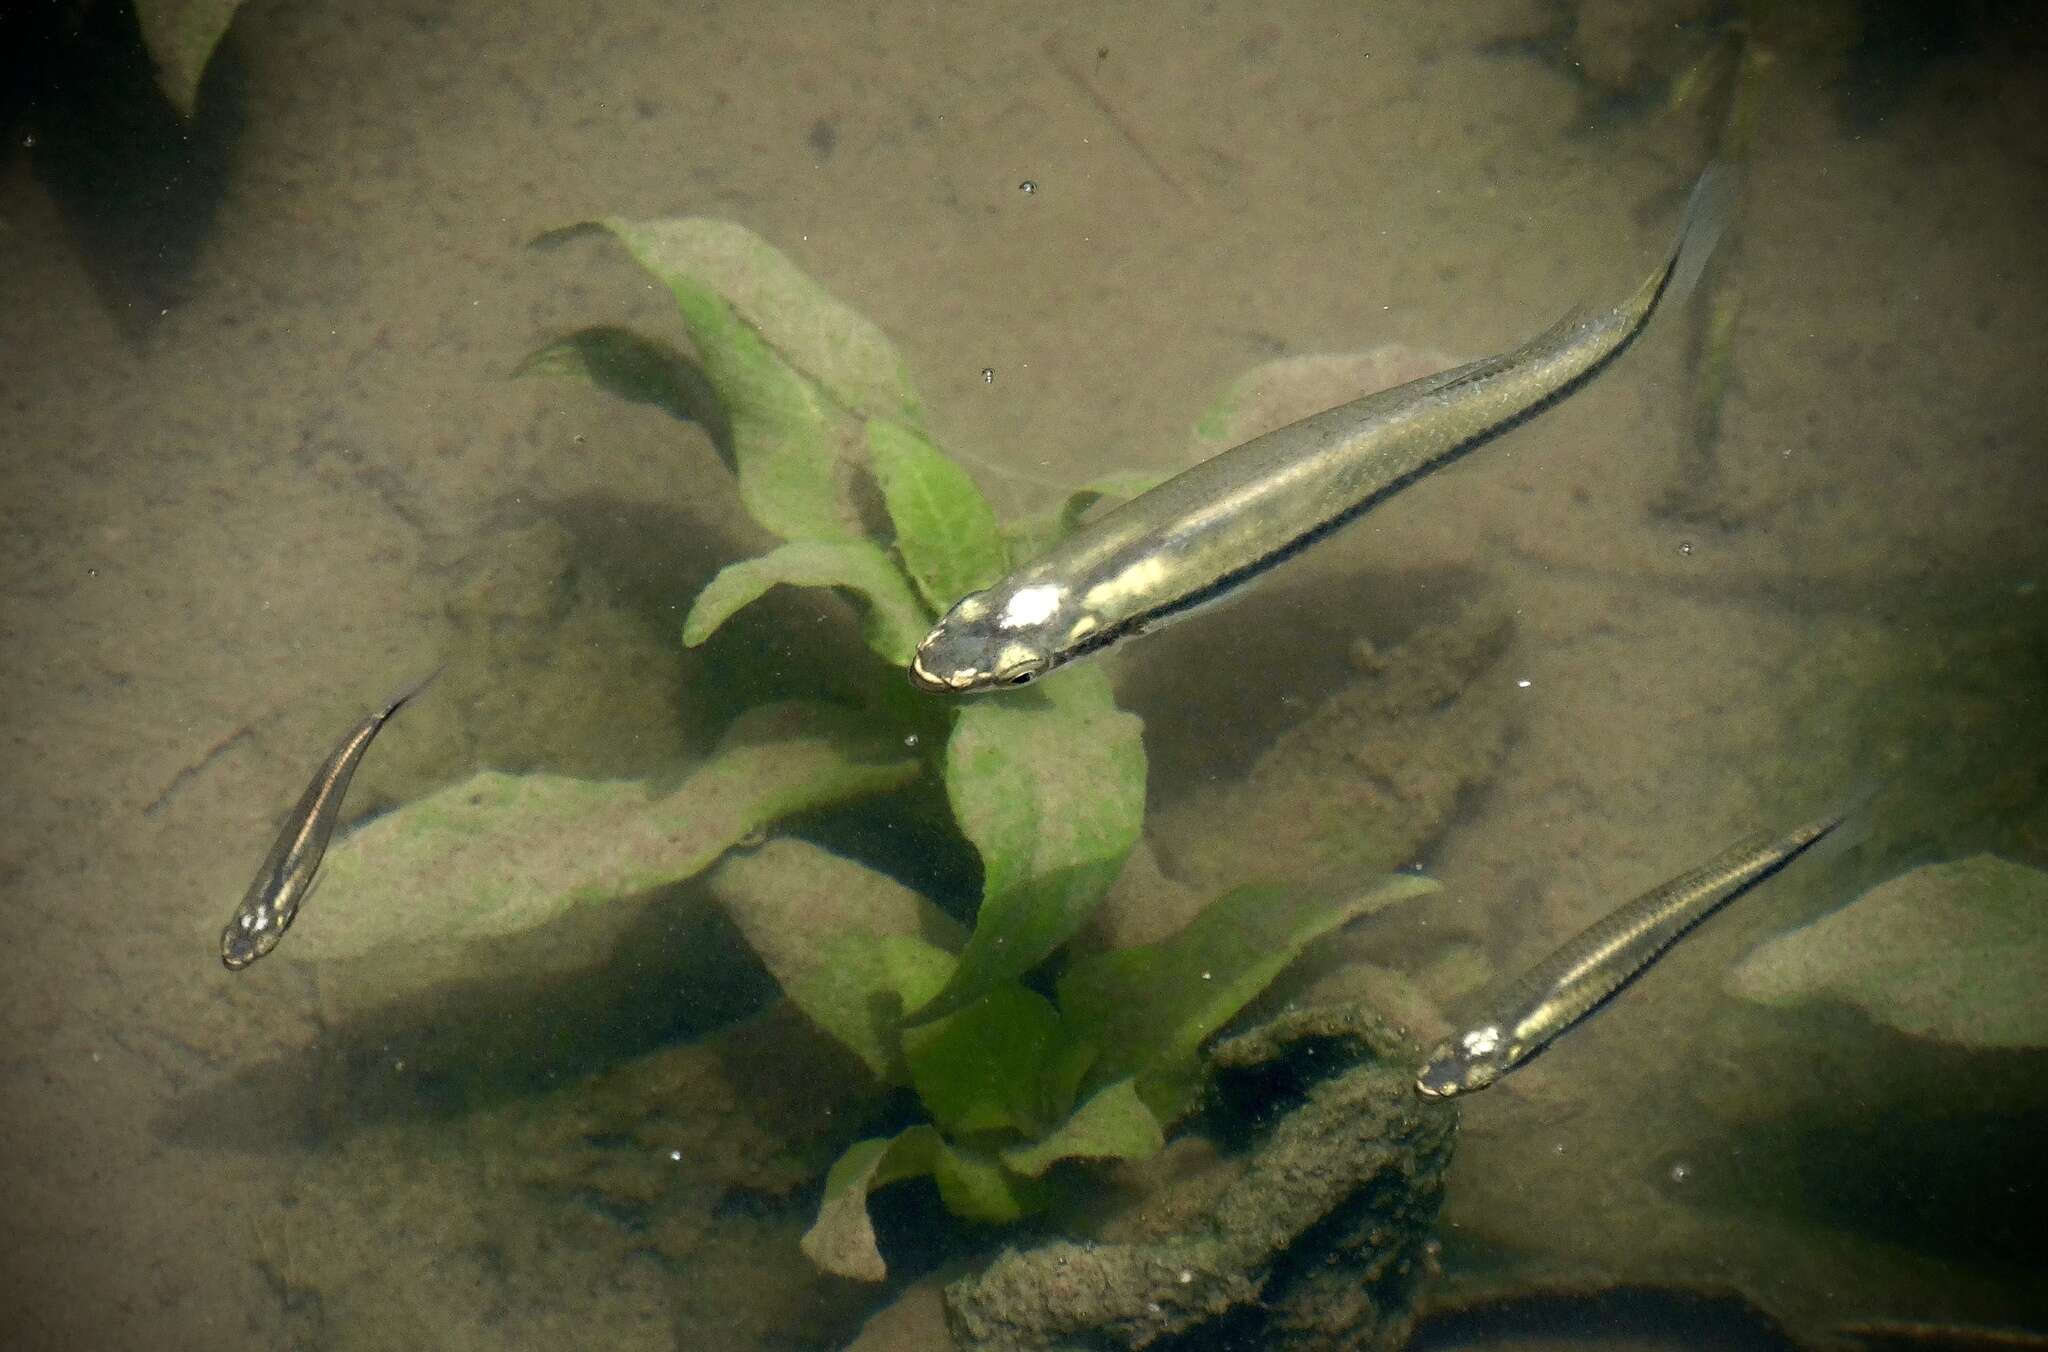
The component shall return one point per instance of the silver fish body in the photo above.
(1223, 523)
(1555, 995)
(281, 885)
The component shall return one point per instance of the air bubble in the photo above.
(1027, 187)
(1685, 548)
(988, 375)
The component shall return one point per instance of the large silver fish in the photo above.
(1219, 525)
(281, 885)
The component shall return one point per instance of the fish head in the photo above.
(1009, 635)
(253, 932)
(1470, 1061)
(241, 945)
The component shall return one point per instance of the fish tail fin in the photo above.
(1707, 214)
(1847, 823)
(406, 696)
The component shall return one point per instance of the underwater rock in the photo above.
(1319, 1242)
(1950, 952)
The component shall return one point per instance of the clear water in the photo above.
(265, 461)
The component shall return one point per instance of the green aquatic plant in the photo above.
(1017, 1067)
(181, 36)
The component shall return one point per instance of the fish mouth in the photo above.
(924, 678)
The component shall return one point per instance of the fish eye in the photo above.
(1021, 678)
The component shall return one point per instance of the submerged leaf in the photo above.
(842, 1240)
(945, 529)
(820, 337)
(976, 1186)
(1113, 1125)
(1952, 952)
(983, 1069)
(894, 620)
(858, 989)
(640, 369)
(181, 36)
(1050, 786)
(786, 436)
(499, 854)
(1148, 1009)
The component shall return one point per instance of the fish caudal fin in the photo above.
(1707, 214)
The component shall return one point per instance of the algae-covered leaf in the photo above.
(945, 529)
(181, 36)
(983, 1068)
(894, 618)
(1149, 1008)
(977, 1186)
(860, 985)
(819, 336)
(1049, 785)
(1953, 952)
(499, 854)
(642, 370)
(787, 437)
(842, 1239)
(1115, 1124)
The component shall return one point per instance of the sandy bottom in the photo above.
(242, 503)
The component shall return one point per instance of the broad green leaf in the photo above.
(983, 1069)
(1113, 1125)
(858, 989)
(786, 434)
(640, 369)
(945, 530)
(1049, 785)
(894, 618)
(978, 1187)
(499, 854)
(819, 337)
(1149, 1008)
(181, 36)
(842, 1239)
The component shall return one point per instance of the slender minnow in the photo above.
(1527, 1016)
(1219, 525)
(281, 884)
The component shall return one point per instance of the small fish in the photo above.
(1578, 978)
(287, 874)
(1219, 525)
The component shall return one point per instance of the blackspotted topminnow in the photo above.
(1217, 526)
(1577, 979)
(287, 874)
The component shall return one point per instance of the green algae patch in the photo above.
(501, 854)
(1952, 953)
